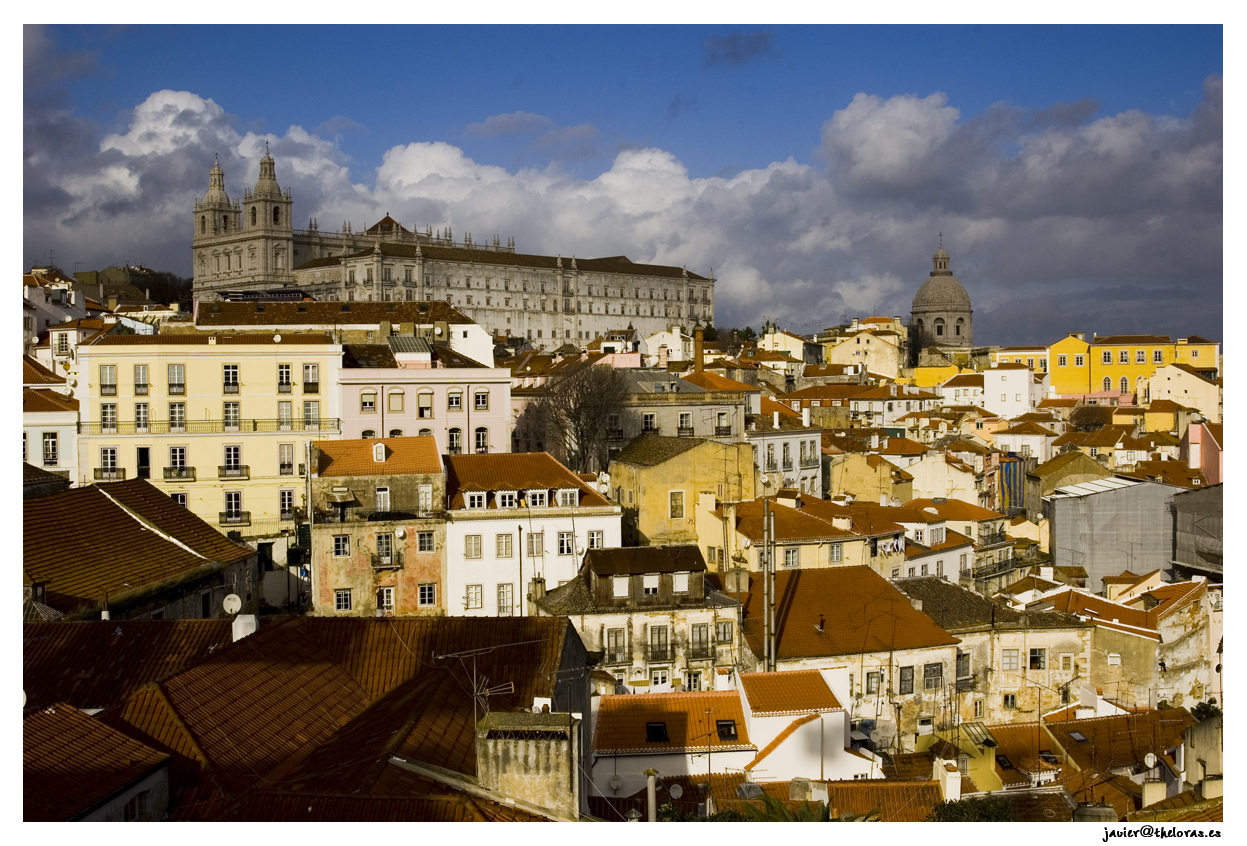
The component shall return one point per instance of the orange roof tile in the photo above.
(38, 400)
(715, 382)
(523, 471)
(791, 525)
(956, 509)
(788, 693)
(1121, 740)
(355, 457)
(621, 722)
(34, 373)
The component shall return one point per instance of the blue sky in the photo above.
(811, 165)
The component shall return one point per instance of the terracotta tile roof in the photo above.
(1011, 365)
(965, 380)
(71, 763)
(253, 339)
(1186, 368)
(860, 612)
(621, 722)
(959, 610)
(788, 693)
(866, 520)
(83, 543)
(512, 472)
(34, 373)
(36, 401)
(824, 392)
(955, 509)
(98, 663)
(902, 446)
(636, 560)
(1059, 462)
(1020, 744)
(1029, 583)
(1123, 739)
(1053, 402)
(1132, 339)
(1027, 428)
(952, 540)
(715, 382)
(327, 314)
(266, 806)
(768, 407)
(652, 450)
(897, 801)
(402, 456)
(960, 445)
(1175, 473)
(791, 525)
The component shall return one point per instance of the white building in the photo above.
(963, 389)
(677, 347)
(49, 421)
(788, 451)
(513, 519)
(1011, 390)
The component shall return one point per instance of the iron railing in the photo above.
(233, 471)
(649, 430)
(177, 388)
(722, 431)
(659, 652)
(285, 469)
(811, 462)
(618, 656)
(614, 434)
(234, 518)
(110, 474)
(392, 561)
(698, 651)
(140, 390)
(229, 388)
(108, 390)
(684, 432)
(208, 427)
(311, 387)
(283, 387)
(183, 473)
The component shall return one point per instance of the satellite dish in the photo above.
(232, 604)
(277, 339)
(400, 533)
(676, 791)
(875, 735)
(615, 782)
(747, 543)
(1150, 760)
(437, 331)
(580, 550)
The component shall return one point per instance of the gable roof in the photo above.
(859, 610)
(636, 560)
(715, 382)
(621, 722)
(327, 313)
(958, 609)
(503, 471)
(34, 373)
(85, 542)
(790, 693)
(956, 509)
(652, 450)
(39, 400)
(791, 525)
(416, 454)
(1122, 740)
(72, 763)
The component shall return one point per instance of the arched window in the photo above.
(960, 322)
(203, 224)
(482, 439)
(395, 401)
(454, 441)
(225, 223)
(253, 215)
(425, 433)
(368, 433)
(1108, 384)
(424, 405)
(276, 215)
(1125, 385)
(396, 433)
(939, 327)
(367, 401)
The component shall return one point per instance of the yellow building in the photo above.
(1070, 366)
(931, 377)
(1123, 363)
(220, 423)
(1200, 354)
(1036, 358)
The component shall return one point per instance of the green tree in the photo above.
(1204, 710)
(974, 809)
(747, 334)
(709, 333)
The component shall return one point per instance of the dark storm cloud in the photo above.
(739, 48)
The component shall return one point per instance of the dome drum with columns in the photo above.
(941, 315)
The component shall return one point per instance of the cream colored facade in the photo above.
(879, 351)
(1186, 388)
(229, 439)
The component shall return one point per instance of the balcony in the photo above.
(482, 450)
(684, 432)
(283, 387)
(618, 656)
(180, 473)
(813, 461)
(229, 388)
(454, 450)
(659, 652)
(989, 538)
(110, 474)
(787, 463)
(614, 434)
(108, 390)
(208, 427)
(771, 466)
(393, 561)
(234, 518)
(649, 430)
(996, 568)
(233, 471)
(699, 651)
(140, 390)
(722, 431)
(285, 469)
(311, 387)
(177, 388)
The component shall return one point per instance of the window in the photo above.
(140, 380)
(1125, 385)
(658, 677)
(1114, 659)
(677, 504)
(723, 631)
(136, 808)
(1077, 736)
(424, 404)
(381, 497)
(1157, 357)
(482, 401)
(428, 595)
(1106, 357)
(932, 676)
(51, 449)
(482, 440)
(505, 499)
(1140, 356)
(341, 546)
(230, 415)
(62, 343)
(108, 417)
(368, 433)
(1194, 353)
(686, 420)
(568, 498)
(835, 552)
(1108, 384)
(620, 586)
(1078, 361)
(692, 681)
(229, 378)
(1123, 356)
(311, 378)
(1060, 361)
(108, 380)
(396, 400)
(285, 499)
(536, 544)
(505, 603)
(978, 709)
(475, 500)
(924, 570)
(179, 498)
(108, 458)
(368, 402)
(1010, 700)
(473, 597)
(1009, 660)
(472, 546)
(1067, 662)
(342, 599)
(792, 556)
(872, 682)
(649, 587)
(1039, 659)
(648, 423)
(656, 732)
(726, 729)
(285, 463)
(963, 665)
(311, 413)
(566, 544)
(939, 569)
(454, 400)
(283, 378)
(906, 680)
(454, 441)
(177, 378)
(385, 600)
(596, 537)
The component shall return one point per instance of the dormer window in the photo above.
(680, 583)
(649, 584)
(656, 733)
(378, 453)
(567, 498)
(536, 499)
(476, 500)
(726, 729)
(506, 499)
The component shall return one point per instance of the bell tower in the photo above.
(266, 219)
(216, 257)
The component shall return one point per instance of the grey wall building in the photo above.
(1198, 534)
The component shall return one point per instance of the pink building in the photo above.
(1201, 449)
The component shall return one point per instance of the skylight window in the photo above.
(655, 732)
(1078, 736)
(1003, 762)
(726, 729)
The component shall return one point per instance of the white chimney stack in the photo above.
(805, 417)
(775, 417)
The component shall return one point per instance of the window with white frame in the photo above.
(482, 401)
(536, 499)
(1009, 660)
(872, 682)
(454, 400)
(385, 600)
(475, 499)
(835, 552)
(649, 584)
(474, 596)
(1039, 659)
(536, 544)
(568, 498)
(932, 676)
(505, 499)
(285, 501)
(51, 449)
(792, 556)
(342, 599)
(978, 709)
(424, 542)
(108, 417)
(1009, 700)
(1114, 659)
(505, 601)
(382, 499)
(428, 595)
(424, 404)
(367, 402)
(472, 546)
(676, 504)
(502, 545)
(566, 544)
(108, 380)
(692, 680)
(385, 547)
(1067, 662)
(596, 538)
(424, 497)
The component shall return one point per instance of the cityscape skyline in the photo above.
(1087, 166)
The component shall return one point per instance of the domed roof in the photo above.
(216, 185)
(941, 291)
(267, 183)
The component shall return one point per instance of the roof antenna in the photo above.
(941, 240)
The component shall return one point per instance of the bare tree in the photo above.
(575, 410)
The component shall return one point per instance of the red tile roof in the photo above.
(715, 382)
(71, 763)
(791, 525)
(355, 457)
(34, 373)
(523, 471)
(37, 400)
(788, 693)
(265, 806)
(98, 663)
(326, 314)
(859, 611)
(621, 722)
(85, 542)
(1121, 740)
(955, 509)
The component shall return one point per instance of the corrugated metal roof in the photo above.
(409, 344)
(1092, 487)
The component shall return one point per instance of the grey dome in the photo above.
(267, 183)
(941, 291)
(216, 185)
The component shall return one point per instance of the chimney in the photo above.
(949, 777)
(775, 419)
(662, 356)
(844, 524)
(874, 441)
(1153, 791)
(883, 500)
(531, 758)
(917, 603)
(244, 624)
(539, 590)
(112, 303)
(805, 416)
(698, 339)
